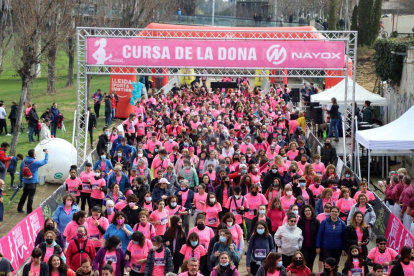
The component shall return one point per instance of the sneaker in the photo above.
(3, 194)
(20, 211)
(336, 139)
(8, 134)
(12, 187)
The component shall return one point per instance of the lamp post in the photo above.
(212, 18)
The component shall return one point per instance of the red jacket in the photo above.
(74, 258)
(4, 158)
(170, 129)
(299, 271)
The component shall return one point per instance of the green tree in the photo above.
(333, 15)
(354, 19)
(365, 17)
(376, 18)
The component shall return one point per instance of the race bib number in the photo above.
(307, 200)
(234, 211)
(318, 173)
(212, 220)
(94, 236)
(159, 262)
(252, 212)
(86, 187)
(385, 269)
(164, 221)
(260, 253)
(73, 192)
(356, 272)
(136, 267)
(110, 259)
(95, 186)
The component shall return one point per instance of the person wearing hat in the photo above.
(160, 190)
(185, 199)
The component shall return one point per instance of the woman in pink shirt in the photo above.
(114, 135)
(97, 225)
(276, 215)
(235, 230)
(287, 199)
(293, 152)
(71, 229)
(318, 166)
(200, 198)
(144, 226)
(98, 186)
(147, 204)
(193, 248)
(137, 252)
(160, 218)
(255, 200)
(86, 177)
(275, 190)
(204, 232)
(73, 184)
(326, 197)
(212, 210)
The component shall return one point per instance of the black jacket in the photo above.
(92, 122)
(328, 154)
(352, 239)
(13, 111)
(397, 270)
(132, 215)
(33, 118)
(219, 193)
(333, 113)
(108, 106)
(314, 229)
(178, 243)
(56, 249)
(102, 145)
(44, 269)
(268, 180)
(140, 192)
(349, 184)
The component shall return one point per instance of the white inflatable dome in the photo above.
(61, 156)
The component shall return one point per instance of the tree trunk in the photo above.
(1, 57)
(51, 68)
(36, 67)
(22, 103)
(71, 56)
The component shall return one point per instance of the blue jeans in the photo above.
(31, 131)
(113, 114)
(108, 118)
(53, 128)
(333, 124)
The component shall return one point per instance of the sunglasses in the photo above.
(382, 243)
(292, 221)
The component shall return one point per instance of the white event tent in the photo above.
(393, 139)
(338, 92)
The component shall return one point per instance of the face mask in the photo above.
(170, 140)
(119, 154)
(254, 193)
(210, 170)
(295, 212)
(103, 156)
(194, 243)
(326, 214)
(302, 162)
(68, 203)
(97, 174)
(49, 227)
(262, 212)
(279, 264)
(223, 239)
(237, 196)
(298, 262)
(80, 235)
(327, 270)
(260, 231)
(276, 185)
(317, 185)
(120, 221)
(293, 171)
(148, 199)
(173, 204)
(201, 226)
(120, 136)
(110, 209)
(302, 184)
(185, 144)
(107, 133)
(131, 204)
(289, 193)
(244, 171)
(317, 161)
(212, 200)
(225, 264)
(274, 171)
(49, 241)
(72, 177)
(334, 188)
(284, 158)
(183, 188)
(347, 175)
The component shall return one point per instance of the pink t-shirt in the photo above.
(93, 231)
(292, 154)
(204, 236)
(159, 263)
(120, 205)
(97, 185)
(236, 233)
(49, 252)
(225, 196)
(321, 217)
(197, 253)
(141, 129)
(163, 218)
(305, 196)
(73, 185)
(231, 206)
(276, 273)
(35, 271)
(198, 199)
(316, 191)
(319, 169)
(388, 256)
(148, 230)
(147, 207)
(111, 256)
(359, 234)
(212, 214)
(336, 194)
(362, 209)
(345, 205)
(184, 196)
(408, 269)
(254, 202)
(169, 146)
(286, 203)
(71, 230)
(85, 178)
(138, 253)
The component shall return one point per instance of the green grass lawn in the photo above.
(66, 98)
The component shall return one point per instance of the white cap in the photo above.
(163, 180)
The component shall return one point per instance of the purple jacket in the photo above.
(99, 261)
(235, 272)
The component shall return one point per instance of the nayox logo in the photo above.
(276, 54)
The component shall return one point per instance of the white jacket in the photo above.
(288, 239)
(44, 132)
